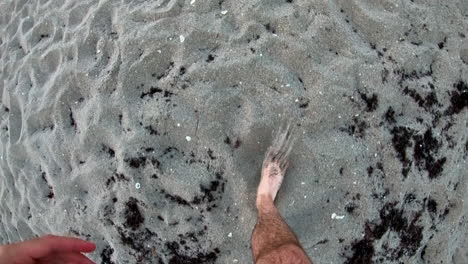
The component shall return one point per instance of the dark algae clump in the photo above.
(458, 98)
(372, 101)
(424, 149)
(392, 219)
(401, 140)
(106, 255)
(133, 216)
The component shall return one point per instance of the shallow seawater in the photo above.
(142, 126)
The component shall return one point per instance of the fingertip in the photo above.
(88, 246)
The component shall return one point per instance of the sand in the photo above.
(142, 125)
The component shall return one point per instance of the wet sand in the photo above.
(142, 125)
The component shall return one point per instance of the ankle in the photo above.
(264, 202)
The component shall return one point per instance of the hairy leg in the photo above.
(272, 239)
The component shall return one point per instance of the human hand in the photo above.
(48, 249)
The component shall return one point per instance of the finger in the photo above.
(68, 257)
(63, 244)
(45, 245)
(77, 258)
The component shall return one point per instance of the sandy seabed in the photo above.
(141, 125)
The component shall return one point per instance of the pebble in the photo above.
(335, 216)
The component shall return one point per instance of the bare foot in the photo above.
(275, 163)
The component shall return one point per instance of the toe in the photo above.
(284, 165)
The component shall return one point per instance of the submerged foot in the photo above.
(275, 163)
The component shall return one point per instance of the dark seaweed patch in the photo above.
(441, 44)
(363, 252)
(178, 257)
(303, 102)
(43, 36)
(110, 181)
(133, 216)
(121, 177)
(432, 206)
(350, 207)
(175, 198)
(138, 241)
(136, 162)
(109, 151)
(466, 148)
(425, 148)
(270, 28)
(51, 194)
(427, 103)
(166, 72)
(391, 219)
(210, 154)
(372, 101)
(234, 144)
(190, 247)
(169, 150)
(210, 58)
(182, 70)
(384, 75)
(167, 93)
(458, 98)
(106, 255)
(401, 140)
(212, 192)
(427, 100)
(358, 129)
(237, 143)
(390, 115)
(152, 130)
(151, 92)
(379, 166)
(72, 119)
(155, 163)
(409, 198)
(323, 241)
